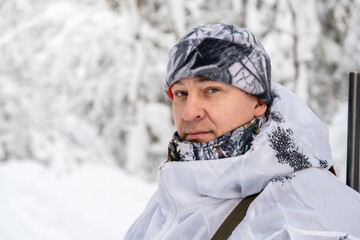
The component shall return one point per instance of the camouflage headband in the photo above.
(224, 53)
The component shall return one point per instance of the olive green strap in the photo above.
(234, 219)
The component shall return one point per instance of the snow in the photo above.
(84, 122)
(90, 202)
(338, 140)
(154, 118)
(178, 16)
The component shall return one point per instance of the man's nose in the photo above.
(194, 108)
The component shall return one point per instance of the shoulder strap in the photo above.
(234, 219)
(237, 215)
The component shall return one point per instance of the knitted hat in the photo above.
(224, 53)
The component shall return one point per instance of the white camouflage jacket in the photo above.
(288, 162)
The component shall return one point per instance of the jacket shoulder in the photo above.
(311, 201)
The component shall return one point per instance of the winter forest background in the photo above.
(84, 122)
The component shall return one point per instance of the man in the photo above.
(239, 134)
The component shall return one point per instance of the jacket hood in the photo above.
(293, 138)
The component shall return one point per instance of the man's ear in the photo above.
(260, 108)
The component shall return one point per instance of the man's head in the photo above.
(232, 57)
(205, 109)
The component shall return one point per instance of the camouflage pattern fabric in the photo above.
(231, 144)
(224, 53)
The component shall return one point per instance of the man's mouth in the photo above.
(196, 135)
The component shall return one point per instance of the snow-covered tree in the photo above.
(81, 81)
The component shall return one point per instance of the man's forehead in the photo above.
(196, 80)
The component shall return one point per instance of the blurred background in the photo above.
(84, 121)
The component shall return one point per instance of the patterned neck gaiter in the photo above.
(231, 144)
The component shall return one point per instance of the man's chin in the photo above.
(200, 138)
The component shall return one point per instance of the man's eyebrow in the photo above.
(205, 80)
(199, 80)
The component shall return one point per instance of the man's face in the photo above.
(206, 109)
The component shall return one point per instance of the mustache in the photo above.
(192, 126)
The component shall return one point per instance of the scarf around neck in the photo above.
(231, 144)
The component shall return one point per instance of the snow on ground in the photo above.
(90, 202)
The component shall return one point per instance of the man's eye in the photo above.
(180, 94)
(212, 90)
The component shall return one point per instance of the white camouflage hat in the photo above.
(224, 53)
